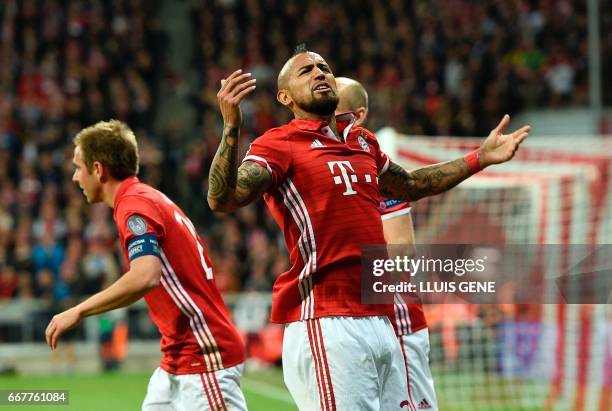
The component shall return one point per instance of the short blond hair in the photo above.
(113, 144)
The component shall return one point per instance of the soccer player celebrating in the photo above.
(321, 177)
(203, 354)
(408, 320)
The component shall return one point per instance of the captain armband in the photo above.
(145, 244)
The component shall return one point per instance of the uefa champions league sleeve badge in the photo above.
(137, 225)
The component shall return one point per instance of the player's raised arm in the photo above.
(231, 186)
(398, 183)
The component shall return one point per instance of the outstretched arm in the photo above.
(231, 185)
(400, 184)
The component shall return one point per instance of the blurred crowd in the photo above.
(65, 65)
(449, 67)
(441, 67)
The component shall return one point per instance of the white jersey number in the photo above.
(187, 223)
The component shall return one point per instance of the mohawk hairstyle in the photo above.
(299, 49)
(281, 80)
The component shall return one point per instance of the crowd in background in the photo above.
(66, 65)
(442, 67)
(449, 67)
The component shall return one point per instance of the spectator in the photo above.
(8, 282)
(48, 254)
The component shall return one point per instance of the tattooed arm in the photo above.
(231, 186)
(397, 183)
(400, 184)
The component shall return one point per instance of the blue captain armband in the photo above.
(145, 244)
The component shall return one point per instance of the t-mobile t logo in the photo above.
(345, 167)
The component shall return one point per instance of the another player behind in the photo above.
(203, 354)
(321, 177)
(408, 320)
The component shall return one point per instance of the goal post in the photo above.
(509, 356)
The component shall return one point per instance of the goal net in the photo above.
(520, 356)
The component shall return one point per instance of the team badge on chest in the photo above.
(363, 144)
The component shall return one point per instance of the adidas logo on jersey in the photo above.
(317, 144)
(424, 405)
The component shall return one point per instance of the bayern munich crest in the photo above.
(363, 144)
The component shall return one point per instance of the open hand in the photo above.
(233, 90)
(500, 147)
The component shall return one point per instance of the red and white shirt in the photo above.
(197, 332)
(325, 198)
(406, 318)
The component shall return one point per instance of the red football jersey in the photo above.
(325, 198)
(406, 318)
(197, 332)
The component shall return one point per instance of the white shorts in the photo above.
(415, 351)
(218, 391)
(344, 364)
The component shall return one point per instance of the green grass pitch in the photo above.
(264, 391)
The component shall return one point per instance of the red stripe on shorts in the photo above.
(330, 395)
(410, 401)
(315, 357)
(216, 384)
(210, 402)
